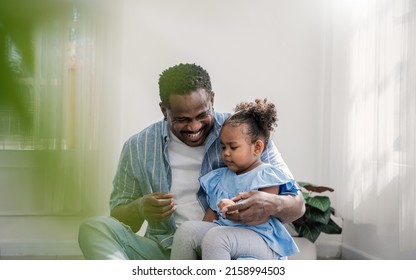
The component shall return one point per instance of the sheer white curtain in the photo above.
(78, 75)
(372, 127)
(59, 166)
(66, 78)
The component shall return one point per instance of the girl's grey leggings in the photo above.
(208, 241)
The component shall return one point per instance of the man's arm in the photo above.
(152, 207)
(129, 215)
(255, 207)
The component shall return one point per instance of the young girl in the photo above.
(243, 138)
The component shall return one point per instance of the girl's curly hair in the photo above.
(260, 117)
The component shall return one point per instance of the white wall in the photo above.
(252, 49)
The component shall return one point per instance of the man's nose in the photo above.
(194, 125)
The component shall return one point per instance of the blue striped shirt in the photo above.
(144, 168)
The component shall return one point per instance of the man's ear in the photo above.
(258, 147)
(212, 97)
(164, 110)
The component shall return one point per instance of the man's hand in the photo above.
(156, 207)
(254, 208)
(152, 207)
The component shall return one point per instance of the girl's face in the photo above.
(238, 153)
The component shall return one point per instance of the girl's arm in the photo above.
(210, 215)
(272, 190)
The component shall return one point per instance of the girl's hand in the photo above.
(223, 206)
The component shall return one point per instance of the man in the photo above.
(157, 176)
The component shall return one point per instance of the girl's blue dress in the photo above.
(224, 183)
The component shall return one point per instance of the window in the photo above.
(50, 123)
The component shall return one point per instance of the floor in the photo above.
(41, 258)
(81, 258)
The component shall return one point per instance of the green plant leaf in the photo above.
(321, 202)
(314, 188)
(316, 215)
(307, 230)
(301, 184)
(305, 195)
(318, 189)
(331, 228)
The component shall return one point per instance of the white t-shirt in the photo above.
(186, 165)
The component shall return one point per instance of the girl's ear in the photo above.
(258, 147)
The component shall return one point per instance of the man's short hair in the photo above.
(183, 79)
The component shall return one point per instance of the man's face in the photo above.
(190, 116)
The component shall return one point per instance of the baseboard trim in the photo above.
(40, 248)
(351, 253)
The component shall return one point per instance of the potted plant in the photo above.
(317, 217)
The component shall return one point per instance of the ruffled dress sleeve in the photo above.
(211, 184)
(268, 175)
